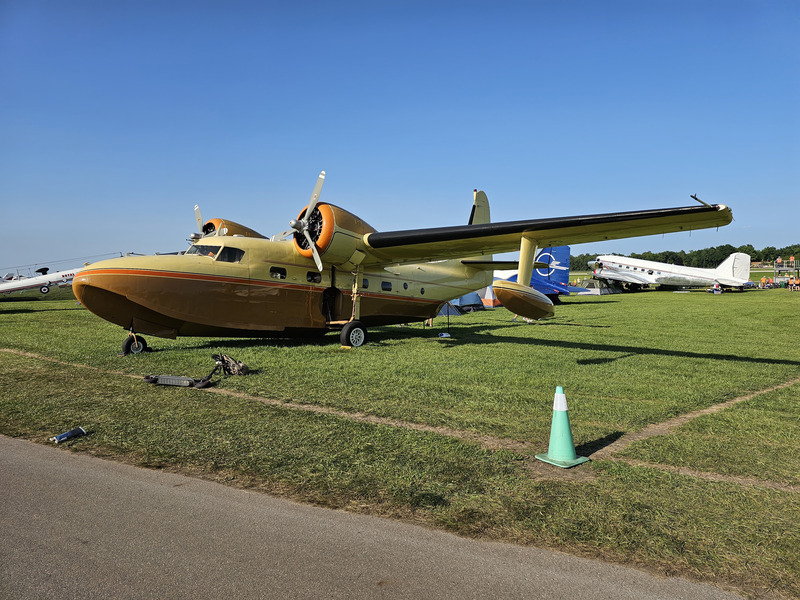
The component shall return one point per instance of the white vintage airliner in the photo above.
(635, 273)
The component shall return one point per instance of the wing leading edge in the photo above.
(417, 245)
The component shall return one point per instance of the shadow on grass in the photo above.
(477, 334)
(602, 361)
(593, 446)
(21, 311)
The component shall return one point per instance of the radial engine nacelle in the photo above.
(336, 233)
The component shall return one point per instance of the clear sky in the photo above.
(116, 117)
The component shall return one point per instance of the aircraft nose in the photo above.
(99, 290)
(121, 291)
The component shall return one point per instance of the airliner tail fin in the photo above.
(736, 266)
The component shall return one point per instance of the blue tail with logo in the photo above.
(552, 281)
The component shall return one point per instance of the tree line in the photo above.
(707, 258)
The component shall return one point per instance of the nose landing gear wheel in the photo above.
(134, 345)
(354, 334)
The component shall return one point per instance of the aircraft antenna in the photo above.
(694, 197)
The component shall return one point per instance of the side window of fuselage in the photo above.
(230, 254)
(203, 250)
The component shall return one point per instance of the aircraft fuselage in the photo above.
(254, 287)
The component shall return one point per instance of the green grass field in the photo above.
(442, 431)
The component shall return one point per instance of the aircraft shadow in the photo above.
(569, 303)
(22, 311)
(223, 344)
(477, 334)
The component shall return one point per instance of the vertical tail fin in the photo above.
(553, 279)
(737, 265)
(480, 209)
(558, 260)
(480, 214)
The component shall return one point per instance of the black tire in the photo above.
(354, 335)
(44, 289)
(134, 345)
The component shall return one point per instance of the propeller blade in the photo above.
(301, 225)
(314, 252)
(198, 217)
(312, 204)
(284, 235)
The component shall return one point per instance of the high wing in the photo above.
(419, 245)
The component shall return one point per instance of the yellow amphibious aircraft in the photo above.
(338, 273)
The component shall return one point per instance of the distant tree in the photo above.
(580, 262)
(748, 249)
(788, 251)
(769, 254)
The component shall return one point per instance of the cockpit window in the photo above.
(230, 254)
(203, 250)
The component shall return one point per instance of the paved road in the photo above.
(73, 526)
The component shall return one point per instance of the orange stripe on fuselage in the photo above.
(243, 281)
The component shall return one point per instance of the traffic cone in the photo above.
(561, 451)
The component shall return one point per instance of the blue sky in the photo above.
(117, 117)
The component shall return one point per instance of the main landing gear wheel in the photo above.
(354, 334)
(134, 345)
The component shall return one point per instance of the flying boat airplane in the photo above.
(634, 273)
(339, 273)
(44, 281)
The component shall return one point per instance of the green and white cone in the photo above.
(561, 451)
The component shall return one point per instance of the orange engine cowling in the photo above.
(336, 233)
(224, 227)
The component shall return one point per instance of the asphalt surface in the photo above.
(73, 526)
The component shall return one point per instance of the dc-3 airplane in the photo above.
(44, 281)
(339, 273)
(634, 273)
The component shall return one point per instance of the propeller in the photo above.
(302, 225)
(199, 218)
